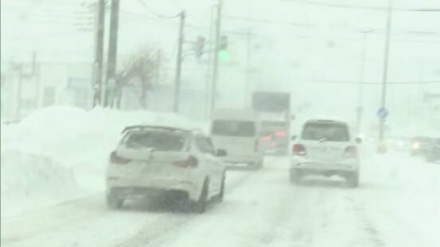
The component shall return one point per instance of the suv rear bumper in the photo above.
(323, 168)
(245, 159)
(129, 188)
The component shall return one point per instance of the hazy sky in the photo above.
(296, 46)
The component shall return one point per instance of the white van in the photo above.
(236, 131)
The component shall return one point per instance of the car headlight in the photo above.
(416, 145)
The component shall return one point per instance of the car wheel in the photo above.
(353, 180)
(113, 202)
(221, 195)
(200, 205)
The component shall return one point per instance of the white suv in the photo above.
(155, 161)
(325, 147)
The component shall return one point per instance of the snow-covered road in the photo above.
(398, 204)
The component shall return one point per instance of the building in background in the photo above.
(27, 87)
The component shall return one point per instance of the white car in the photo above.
(157, 161)
(325, 147)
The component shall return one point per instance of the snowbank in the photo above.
(63, 150)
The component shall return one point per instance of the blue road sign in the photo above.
(382, 113)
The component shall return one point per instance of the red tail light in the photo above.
(299, 149)
(281, 133)
(190, 162)
(115, 159)
(351, 151)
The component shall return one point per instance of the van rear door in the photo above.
(237, 137)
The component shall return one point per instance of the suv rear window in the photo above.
(330, 132)
(233, 128)
(157, 140)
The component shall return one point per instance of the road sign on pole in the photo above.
(382, 113)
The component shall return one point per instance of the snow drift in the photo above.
(62, 151)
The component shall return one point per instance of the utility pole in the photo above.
(179, 62)
(210, 63)
(216, 50)
(98, 64)
(385, 68)
(112, 54)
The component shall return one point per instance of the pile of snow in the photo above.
(64, 150)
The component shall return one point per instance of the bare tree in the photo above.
(140, 68)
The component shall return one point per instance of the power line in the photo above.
(375, 83)
(346, 6)
(145, 6)
(248, 19)
(175, 4)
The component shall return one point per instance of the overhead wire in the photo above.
(360, 7)
(375, 83)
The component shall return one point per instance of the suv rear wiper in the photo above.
(323, 140)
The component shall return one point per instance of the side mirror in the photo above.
(221, 153)
(358, 140)
(293, 137)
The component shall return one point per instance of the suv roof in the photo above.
(154, 127)
(325, 121)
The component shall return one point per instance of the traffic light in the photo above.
(223, 43)
(223, 53)
(199, 46)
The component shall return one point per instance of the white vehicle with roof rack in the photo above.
(325, 147)
(153, 161)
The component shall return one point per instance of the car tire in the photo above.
(221, 195)
(199, 206)
(114, 202)
(353, 180)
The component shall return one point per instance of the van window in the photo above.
(233, 128)
(330, 132)
(157, 140)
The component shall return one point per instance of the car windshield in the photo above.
(233, 128)
(324, 131)
(156, 140)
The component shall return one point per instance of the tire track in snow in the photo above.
(170, 223)
(373, 237)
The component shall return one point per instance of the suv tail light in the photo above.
(299, 149)
(115, 159)
(281, 133)
(190, 162)
(351, 151)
